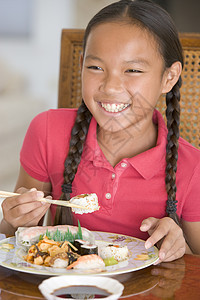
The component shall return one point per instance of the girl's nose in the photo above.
(111, 84)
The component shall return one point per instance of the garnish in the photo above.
(110, 261)
(7, 246)
(142, 256)
(63, 236)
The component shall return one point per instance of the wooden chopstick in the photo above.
(4, 194)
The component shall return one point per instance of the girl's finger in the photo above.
(34, 221)
(25, 208)
(30, 217)
(172, 242)
(177, 250)
(164, 227)
(148, 223)
(27, 197)
(23, 190)
(179, 253)
(156, 236)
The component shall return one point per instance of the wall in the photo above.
(86, 9)
(37, 57)
(186, 15)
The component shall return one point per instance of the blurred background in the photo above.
(30, 34)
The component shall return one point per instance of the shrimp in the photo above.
(86, 262)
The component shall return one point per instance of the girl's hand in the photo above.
(166, 233)
(24, 210)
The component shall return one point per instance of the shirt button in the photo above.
(123, 165)
(108, 195)
(113, 175)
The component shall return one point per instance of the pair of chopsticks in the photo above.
(4, 194)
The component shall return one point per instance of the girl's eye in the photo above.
(133, 71)
(94, 68)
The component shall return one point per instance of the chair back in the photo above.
(70, 80)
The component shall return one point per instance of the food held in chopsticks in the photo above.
(4, 194)
(81, 204)
(89, 201)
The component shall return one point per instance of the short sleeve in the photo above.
(33, 155)
(191, 208)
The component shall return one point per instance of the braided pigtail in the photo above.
(78, 137)
(173, 121)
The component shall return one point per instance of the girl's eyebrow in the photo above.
(138, 61)
(90, 56)
(133, 61)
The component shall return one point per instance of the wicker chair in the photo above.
(70, 80)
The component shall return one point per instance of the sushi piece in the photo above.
(78, 243)
(87, 249)
(90, 201)
(60, 260)
(88, 262)
(27, 236)
(118, 252)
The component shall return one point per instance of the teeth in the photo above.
(114, 107)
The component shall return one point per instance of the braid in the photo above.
(78, 137)
(173, 121)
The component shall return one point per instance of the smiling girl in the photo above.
(117, 144)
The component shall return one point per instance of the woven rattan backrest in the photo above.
(70, 80)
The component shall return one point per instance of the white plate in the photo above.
(54, 286)
(12, 259)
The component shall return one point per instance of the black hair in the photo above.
(151, 17)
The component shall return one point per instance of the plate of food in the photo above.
(74, 250)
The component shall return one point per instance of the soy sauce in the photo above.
(81, 292)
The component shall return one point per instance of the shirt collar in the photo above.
(147, 163)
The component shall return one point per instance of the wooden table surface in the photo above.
(175, 280)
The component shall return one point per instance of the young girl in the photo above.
(117, 145)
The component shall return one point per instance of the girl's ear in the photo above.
(81, 61)
(171, 76)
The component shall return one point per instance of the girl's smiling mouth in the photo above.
(114, 107)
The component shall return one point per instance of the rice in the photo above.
(60, 263)
(119, 253)
(90, 201)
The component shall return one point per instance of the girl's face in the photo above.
(122, 75)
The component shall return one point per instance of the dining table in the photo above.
(179, 279)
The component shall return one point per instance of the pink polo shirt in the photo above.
(128, 193)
